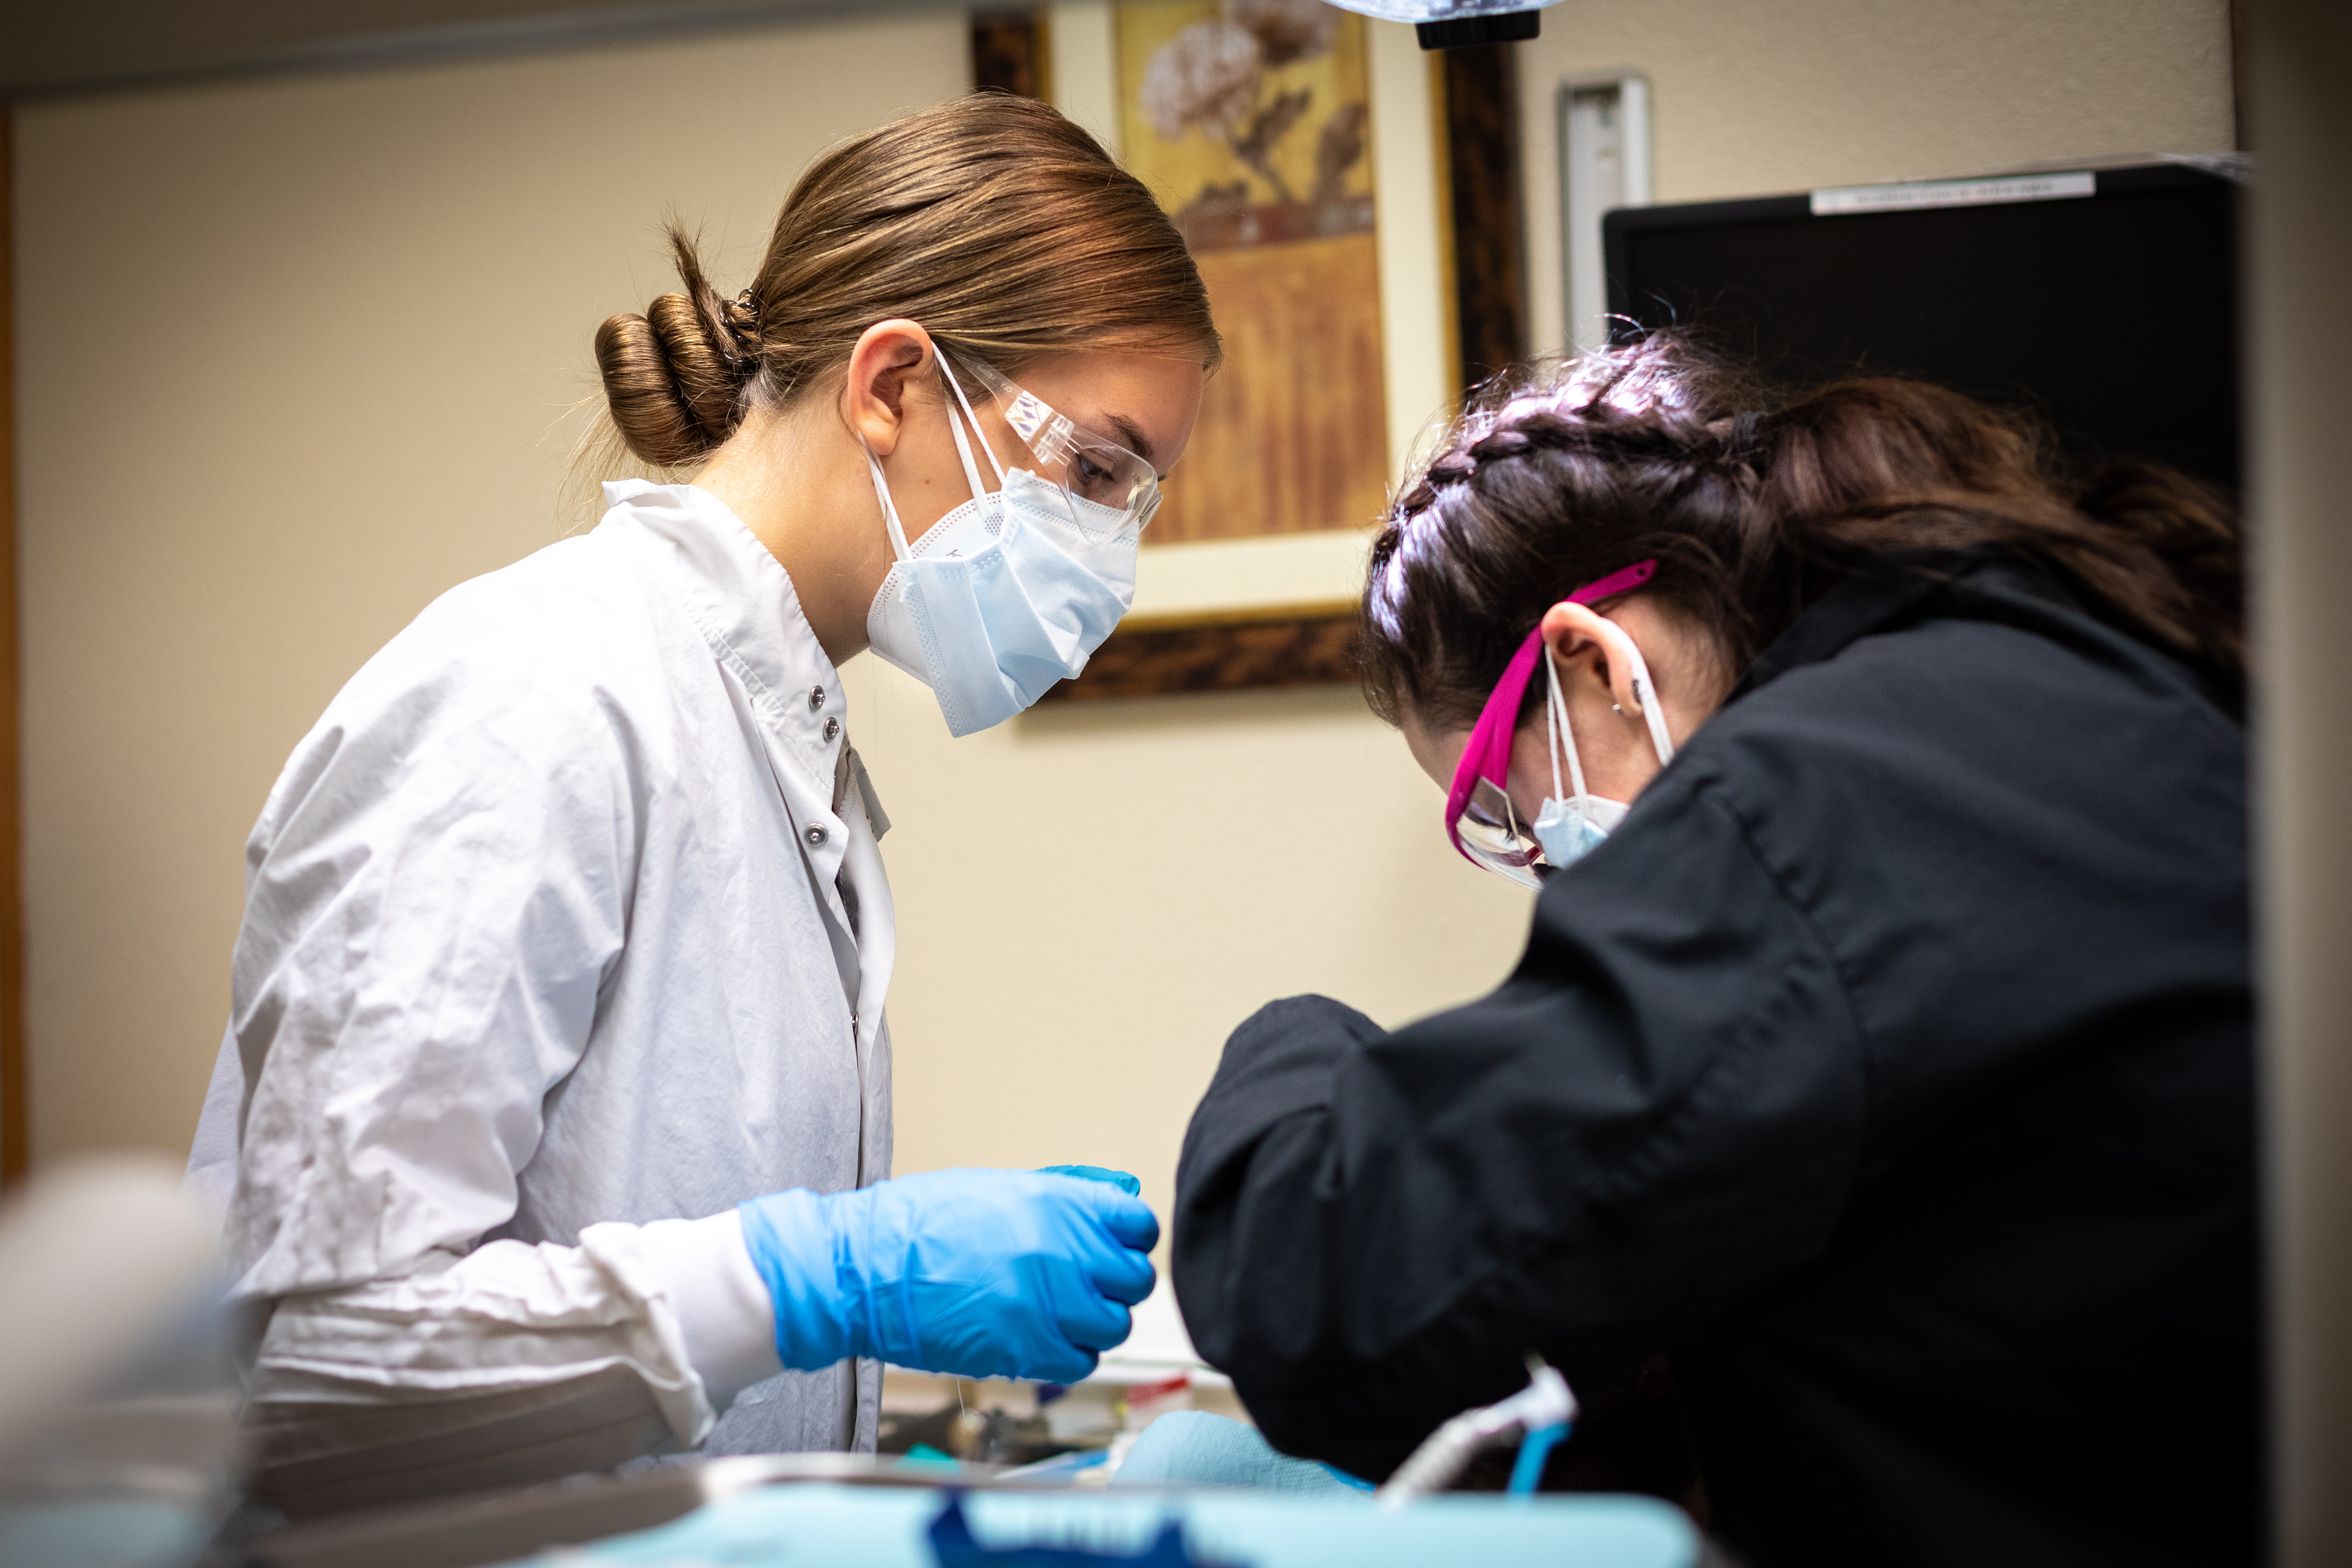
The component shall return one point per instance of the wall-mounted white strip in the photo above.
(1848, 199)
(1604, 162)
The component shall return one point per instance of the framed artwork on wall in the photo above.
(1252, 120)
(1273, 132)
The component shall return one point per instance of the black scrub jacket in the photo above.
(1890, 1067)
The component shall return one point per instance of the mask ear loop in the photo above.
(1660, 741)
(963, 450)
(969, 471)
(1563, 737)
(889, 508)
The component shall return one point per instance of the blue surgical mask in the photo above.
(1569, 825)
(1006, 595)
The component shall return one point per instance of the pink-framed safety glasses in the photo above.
(1479, 817)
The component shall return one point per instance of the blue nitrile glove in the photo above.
(1119, 1179)
(978, 1273)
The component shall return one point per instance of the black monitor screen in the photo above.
(2114, 314)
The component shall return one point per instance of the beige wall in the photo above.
(296, 355)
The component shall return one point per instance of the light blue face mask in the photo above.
(1006, 595)
(1569, 826)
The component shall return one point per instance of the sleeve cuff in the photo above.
(724, 1314)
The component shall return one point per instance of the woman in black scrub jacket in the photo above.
(1888, 1065)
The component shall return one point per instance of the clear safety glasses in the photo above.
(1479, 816)
(1086, 466)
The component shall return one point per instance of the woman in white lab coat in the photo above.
(554, 1110)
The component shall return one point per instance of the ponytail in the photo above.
(2185, 579)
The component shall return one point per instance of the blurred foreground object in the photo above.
(826, 1526)
(2300, 388)
(118, 1397)
(1195, 1449)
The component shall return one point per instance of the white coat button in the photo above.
(816, 835)
(816, 698)
(832, 728)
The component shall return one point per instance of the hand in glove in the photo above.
(977, 1273)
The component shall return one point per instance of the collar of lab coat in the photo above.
(741, 600)
(740, 597)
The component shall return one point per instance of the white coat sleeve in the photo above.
(435, 892)
(513, 1364)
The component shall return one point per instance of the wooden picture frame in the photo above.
(1222, 614)
(1240, 651)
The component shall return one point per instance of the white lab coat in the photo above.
(565, 928)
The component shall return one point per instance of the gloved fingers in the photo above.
(1091, 1324)
(1067, 1364)
(1129, 1220)
(1110, 1197)
(1119, 1179)
(1122, 1275)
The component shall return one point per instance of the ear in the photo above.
(888, 359)
(1575, 632)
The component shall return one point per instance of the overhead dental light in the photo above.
(1458, 24)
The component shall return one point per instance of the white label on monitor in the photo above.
(1849, 199)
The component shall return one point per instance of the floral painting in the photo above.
(1251, 119)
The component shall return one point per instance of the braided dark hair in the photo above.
(1753, 500)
